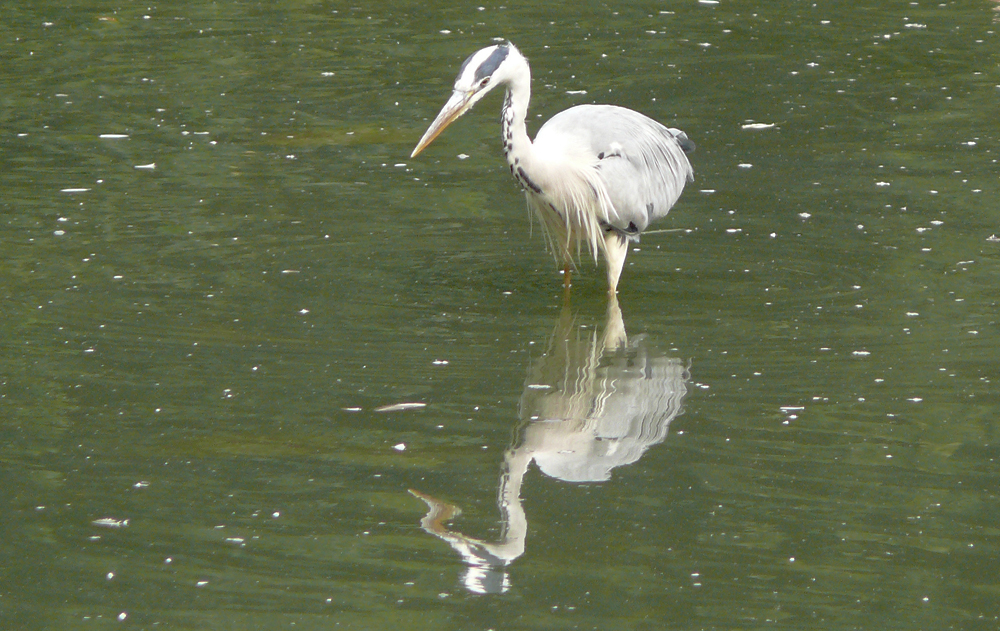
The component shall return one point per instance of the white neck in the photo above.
(515, 139)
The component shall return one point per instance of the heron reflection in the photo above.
(593, 402)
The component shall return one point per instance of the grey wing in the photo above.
(642, 163)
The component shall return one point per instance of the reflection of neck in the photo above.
(515, 523)
(509, 500)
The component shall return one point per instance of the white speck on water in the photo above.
(399, 447)
(146, 167)
(744, 165)
(74, 190)
(757, 126)
(401, 407)
(113, 136)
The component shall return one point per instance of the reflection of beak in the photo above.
(458, 104)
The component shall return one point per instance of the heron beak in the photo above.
(458, 104)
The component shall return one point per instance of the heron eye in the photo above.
(484, 82)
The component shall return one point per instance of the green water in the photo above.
(201, 315)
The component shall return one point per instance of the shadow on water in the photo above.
(594, 401)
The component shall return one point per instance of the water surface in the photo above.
(219, 263)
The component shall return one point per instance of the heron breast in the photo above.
(525, 181)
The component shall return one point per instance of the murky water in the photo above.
(223, 279)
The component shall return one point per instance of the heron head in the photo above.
(480, 73)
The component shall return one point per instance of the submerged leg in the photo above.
(615, 249)
(614, 329)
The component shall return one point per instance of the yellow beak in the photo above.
(458, 104)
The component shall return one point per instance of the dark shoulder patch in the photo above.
(687, 145)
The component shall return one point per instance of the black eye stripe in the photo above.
(465, 63)
(491, 63)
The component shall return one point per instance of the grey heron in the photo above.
(595, 174)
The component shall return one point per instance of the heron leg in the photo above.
(615, 249)
(614, 329)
